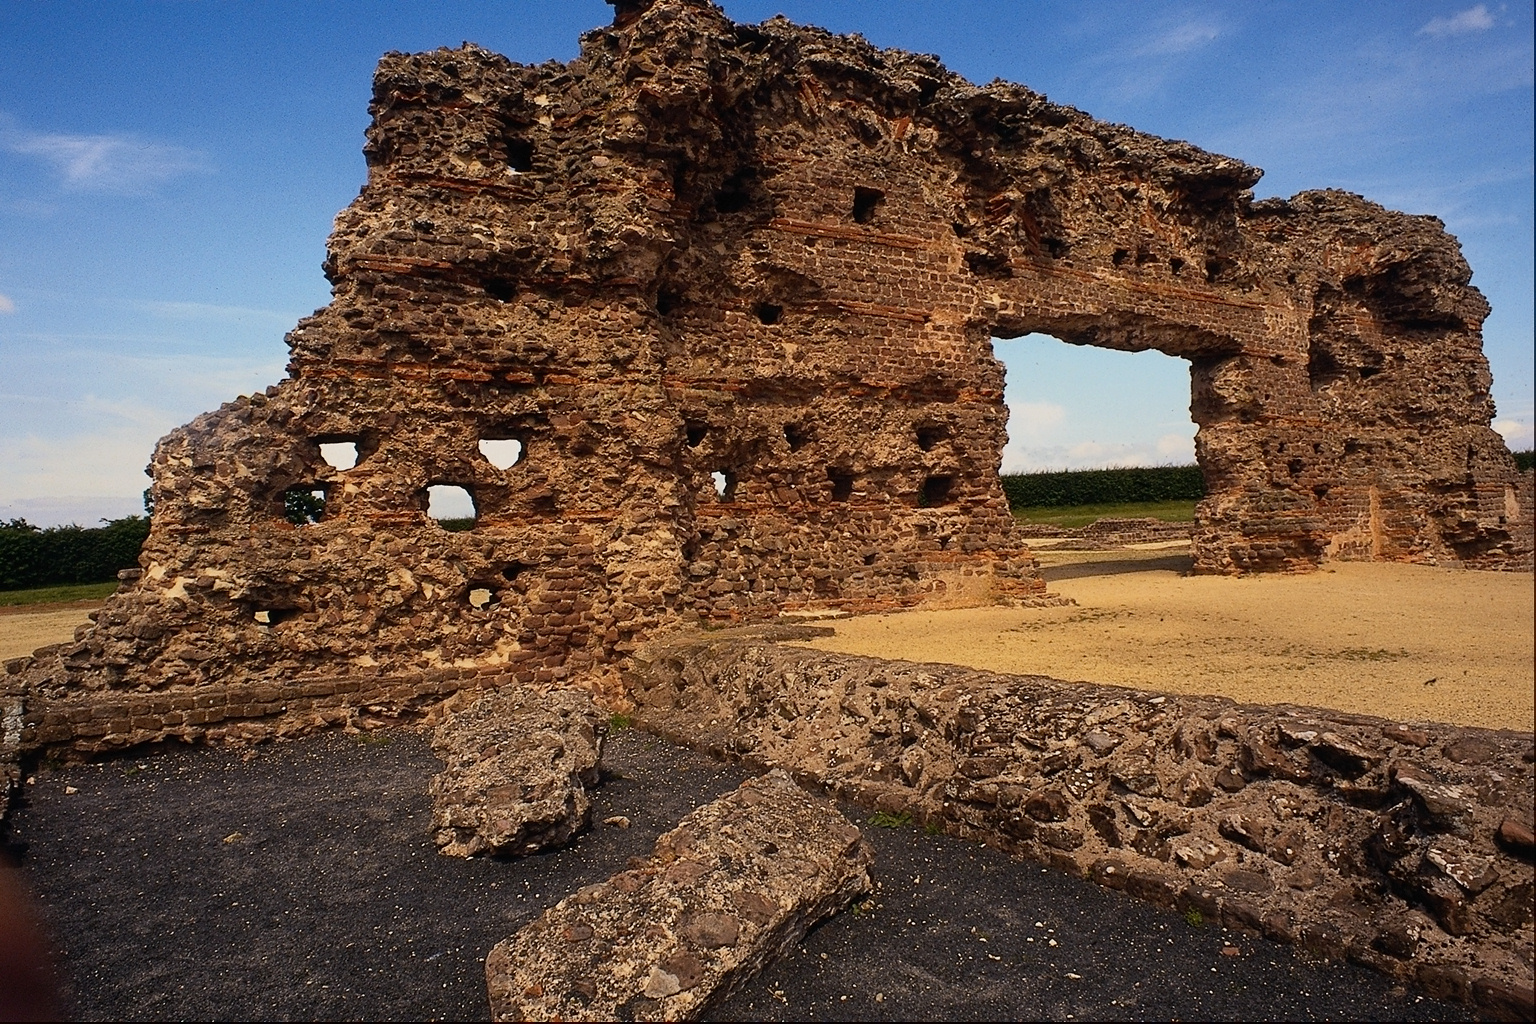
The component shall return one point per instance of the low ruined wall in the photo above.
(1402, 846)
(239, 712)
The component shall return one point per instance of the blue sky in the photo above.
(169, 172)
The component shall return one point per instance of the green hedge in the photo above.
(1103, 486)
(30, 557)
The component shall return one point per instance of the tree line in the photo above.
(1103, 486)
(35, 557)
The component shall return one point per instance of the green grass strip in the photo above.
(1081, 515)
(57, 595)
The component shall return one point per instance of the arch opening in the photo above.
(1076, 406)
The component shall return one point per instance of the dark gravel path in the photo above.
(297, 881)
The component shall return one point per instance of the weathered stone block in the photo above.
(737, 883)
(519, 762)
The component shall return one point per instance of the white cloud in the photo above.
(1034, 417)
(1180, 446)
(118, 163)
(97, 464)
(79, 509)
(78, 425)
(1518, 434)
(6, 305)
(1033, 458)
(1473, 19)
(1092, 451)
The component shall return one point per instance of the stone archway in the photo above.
(732, 289)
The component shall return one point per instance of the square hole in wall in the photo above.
(519, 156)
(482, 596)
(452, 506)
(339, 455)
(842, 484)
(936, 491)
(304, 505)
(502, 452)
(866, 201)
(930, 435)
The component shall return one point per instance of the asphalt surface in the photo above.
(297, 881)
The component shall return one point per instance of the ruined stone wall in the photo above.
(776, 258)
(1406, 847)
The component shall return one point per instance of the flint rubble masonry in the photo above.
(780, 256)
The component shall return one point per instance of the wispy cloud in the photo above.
(1181, 38)
(80, 509)
(77, 425)
(6, 305)
(1473, 19)
(99, 463)
(209, 312)
(1021, 458)
(1374, 107)
(1177, 446)
(1030, 418)
(1518, 434)
(116, 162)
(1134, 61)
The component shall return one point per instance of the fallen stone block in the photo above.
(737, 883)
(518, 766)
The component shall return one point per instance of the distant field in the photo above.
(57, 595)
(1081, 515)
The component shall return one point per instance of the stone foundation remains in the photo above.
(1403, 846)
(702, 323)
(1108, 533)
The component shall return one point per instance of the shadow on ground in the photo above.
(298, 881)
(1181, 564)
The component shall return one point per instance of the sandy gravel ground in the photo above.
(23, 630)
(1401, 641)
